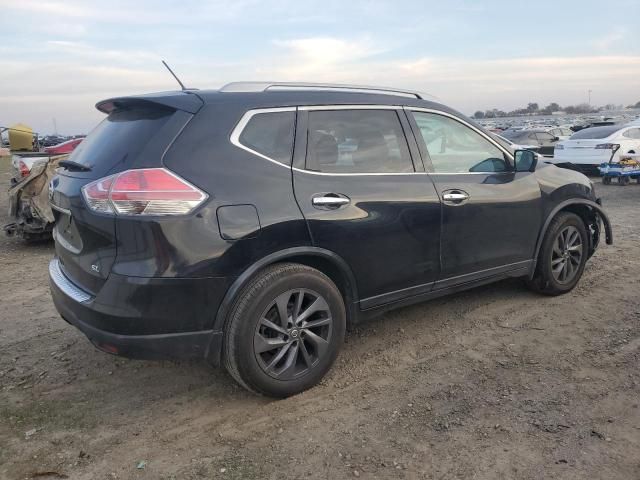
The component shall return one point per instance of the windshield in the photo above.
(595, 132)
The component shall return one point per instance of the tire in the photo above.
(256, 333)
(623, 180)
(548, 279)
(606, 180)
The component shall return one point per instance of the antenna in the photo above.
(174, 75)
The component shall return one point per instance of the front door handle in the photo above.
(329, 201)
(455, 197)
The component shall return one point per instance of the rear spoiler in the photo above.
(187, 101)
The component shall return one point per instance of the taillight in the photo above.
(147, 191)
(608, 146)
(24, 170)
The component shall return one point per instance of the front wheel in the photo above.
(285, 330)
(562, 256)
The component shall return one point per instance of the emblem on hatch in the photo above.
(95, 267)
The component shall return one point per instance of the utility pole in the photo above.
(55, 126)
(589, 97)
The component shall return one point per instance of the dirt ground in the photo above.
(493, 383)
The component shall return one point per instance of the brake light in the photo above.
(24, 170)
(608, 146)
(147, 191)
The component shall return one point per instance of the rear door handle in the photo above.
(329, 201)
(455, 197)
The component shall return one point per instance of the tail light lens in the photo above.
(24, 170)
(608, 146)
(147, 191)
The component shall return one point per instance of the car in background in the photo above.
(64, 147)
(563, 133)
(541, 139)
(515, 146)
(589, 148)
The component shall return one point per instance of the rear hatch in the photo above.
(135, 134)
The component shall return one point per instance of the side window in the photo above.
(270, 134)
(532, 136)
(544, 137)
(632, 133)
(455, 148)
(357, 141)
(566, 132)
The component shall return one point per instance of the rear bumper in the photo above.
(130, 316)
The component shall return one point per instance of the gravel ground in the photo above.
(492, 383)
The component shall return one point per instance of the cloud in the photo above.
(605, 42)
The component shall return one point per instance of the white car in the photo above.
(589, 148)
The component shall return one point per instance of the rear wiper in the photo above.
(73, 166)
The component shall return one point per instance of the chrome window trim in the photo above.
(63, 283)
(472, 127)
(241, 125)
(244, 120)
(313, 108)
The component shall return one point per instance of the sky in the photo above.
(58, 58)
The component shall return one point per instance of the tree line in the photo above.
(534, 109)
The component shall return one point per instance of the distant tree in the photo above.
(532, 107)
(637, 105)
(478, 114)
(552, 107)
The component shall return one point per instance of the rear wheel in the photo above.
(562, 257)
(285, 330)
(606, 180)
(623, 179)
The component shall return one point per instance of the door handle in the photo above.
(455, 197)
(329, 201)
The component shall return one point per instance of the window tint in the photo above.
(632, 133)
(545, 137)
(357, 141)
(595, 132)
(271, 135)
(456, 148)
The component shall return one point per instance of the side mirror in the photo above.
(526, 161)
(555, 139)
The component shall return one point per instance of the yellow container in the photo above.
(20, 137)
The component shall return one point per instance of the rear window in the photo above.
(594, 132)
(119, 138)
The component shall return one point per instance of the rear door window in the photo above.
(270, 134)
(357, 141)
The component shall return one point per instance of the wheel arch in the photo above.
(329, 263)
(588, 211)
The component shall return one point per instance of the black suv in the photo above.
(253, 224)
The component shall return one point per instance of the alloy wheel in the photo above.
(293, 334)
(566, 255)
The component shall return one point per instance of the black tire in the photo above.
(606, 180)
(546, 279)
(255, 321)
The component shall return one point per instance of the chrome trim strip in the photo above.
(311, 108)
(64, 284)
(472, 127)
(240, 126)
(60, 209)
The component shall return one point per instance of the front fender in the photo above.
(595, 206)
